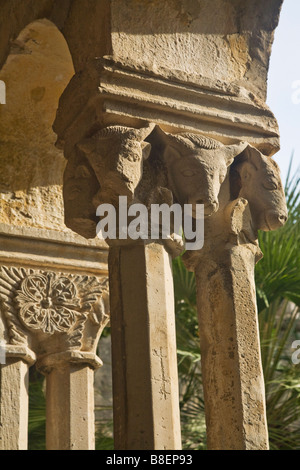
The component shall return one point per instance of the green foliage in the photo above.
(188, 352)
(278, 297)
(277, 330)
(185, 298)
(37, 412)
(104, 434)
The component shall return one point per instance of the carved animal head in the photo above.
(257, 179)
(116, 155)
(196, 167)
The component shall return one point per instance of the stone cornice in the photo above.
(220, 110)
(53, 250)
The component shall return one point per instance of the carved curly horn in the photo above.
(232, 151)
(188, 140)
(112, 131)
(142, 133)
(199, 141)
(129, 132)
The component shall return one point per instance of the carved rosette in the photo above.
(41, 306)
(48, 303)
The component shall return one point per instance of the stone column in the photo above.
(230, 350)
(145, 377)
(228, 325)
(70, 423)
(14, 397)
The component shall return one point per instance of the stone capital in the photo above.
(53, 314)
(250, 198)
(194, 68)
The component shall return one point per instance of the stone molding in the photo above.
(64, 251)
(222, 111)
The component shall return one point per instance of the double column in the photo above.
(233, 381)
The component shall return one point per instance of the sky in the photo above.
(284, 85)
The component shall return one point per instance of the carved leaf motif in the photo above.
(10, 280)
(92, 292)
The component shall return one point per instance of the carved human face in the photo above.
(80, 185)
(262, 187)
(196, 178)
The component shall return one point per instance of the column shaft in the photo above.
(13, 405)
(230, 352)
(70, 408)
(145, 377)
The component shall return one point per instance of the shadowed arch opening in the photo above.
(36, 72)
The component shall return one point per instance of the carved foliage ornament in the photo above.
(48, 302)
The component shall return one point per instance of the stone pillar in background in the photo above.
(70, 400)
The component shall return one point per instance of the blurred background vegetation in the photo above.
(278, 300)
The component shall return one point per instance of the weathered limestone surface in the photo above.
(31, 168)
(145, 377)
(182, 119)
(202, 68)
(229, 40)
(14, 398)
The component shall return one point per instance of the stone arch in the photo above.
(36, 72)
(83, 23)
